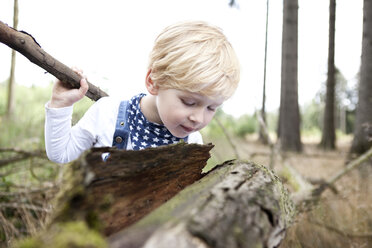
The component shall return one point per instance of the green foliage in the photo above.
(350, 120)
(69, 234)
(245, 124)
(240, 127)
(312, 114)
(272, 120)
(25, 129)
(214, 129)
(346, 99)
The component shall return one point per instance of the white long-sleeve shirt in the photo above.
(96, 128)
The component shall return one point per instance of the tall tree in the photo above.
(11, 84)
(363, 125)
(289, 114)
(263, 138)
(329, 133)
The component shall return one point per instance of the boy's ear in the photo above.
(150, 85)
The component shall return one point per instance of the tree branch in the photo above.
(311, 195)
(21, 155)
(341, 232)
(25, 44)
(358, 161)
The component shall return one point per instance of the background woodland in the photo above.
(315, 141)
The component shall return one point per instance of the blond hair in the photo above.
(196, 57)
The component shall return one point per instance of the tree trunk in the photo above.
(329, 133)
(363, 125)
(289, 114)
(262, 135)
(237, 204)
(11, 84)
(27, 46)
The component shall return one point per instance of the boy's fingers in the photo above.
(83, 86)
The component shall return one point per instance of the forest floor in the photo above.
(340, 219)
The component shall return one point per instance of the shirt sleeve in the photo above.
(64, 143)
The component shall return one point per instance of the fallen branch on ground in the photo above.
(350, 166)
(21, 155)
(341, 232)
(304, 197)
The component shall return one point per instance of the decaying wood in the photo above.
(129, 200)
(25, 44)
(238, 204)
(113, 194)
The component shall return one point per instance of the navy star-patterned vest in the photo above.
(142, 133)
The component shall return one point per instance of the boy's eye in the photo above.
(188, 102)
(212, 108)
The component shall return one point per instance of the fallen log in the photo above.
(110, 195)
(237, 204)
(27, 45)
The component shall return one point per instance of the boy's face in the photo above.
(184, 112)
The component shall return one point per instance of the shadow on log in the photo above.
(237, 204)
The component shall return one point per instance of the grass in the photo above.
(21, 133)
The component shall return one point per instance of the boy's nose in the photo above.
(197, 116)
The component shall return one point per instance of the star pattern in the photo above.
(144, 134)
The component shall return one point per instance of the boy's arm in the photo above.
(62, 143)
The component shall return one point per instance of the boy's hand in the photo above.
(65, 97)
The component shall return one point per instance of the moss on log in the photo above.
(74, 234)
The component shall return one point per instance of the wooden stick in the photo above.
(27, 46)
(311, 195)
(350, 166)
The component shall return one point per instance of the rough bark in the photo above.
(110, 195)
(239, 204)
(329, 133)
(289, 114)
(363, 124)
(25, 44)
(262, 135)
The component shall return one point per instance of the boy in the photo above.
(192, 71)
